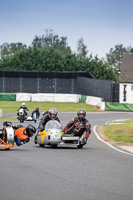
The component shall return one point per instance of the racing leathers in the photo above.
(37, 113)
(77, 126)
(19, 136)
(44, 120)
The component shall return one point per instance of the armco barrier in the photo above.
(48, 97)
(118, 106)
(53, 97)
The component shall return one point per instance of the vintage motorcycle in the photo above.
(53, 135)
(21, 115)
(7, 136)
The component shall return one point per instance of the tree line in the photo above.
(51, 53)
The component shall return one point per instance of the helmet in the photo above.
(82, 112)
(23, 104)
(53, 111)
(30, 129)
(37, 108)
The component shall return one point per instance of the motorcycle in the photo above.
(53, 135)
(7, 136)
(21, 115)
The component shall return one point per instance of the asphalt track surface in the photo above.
(96, 172)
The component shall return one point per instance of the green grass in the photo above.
(122, 133)
(12, 106)
(8, 118)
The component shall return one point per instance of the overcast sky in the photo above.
(101, 23)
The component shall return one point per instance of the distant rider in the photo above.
(78, 125)
(37, 113)
(50, 115)
(23, 106)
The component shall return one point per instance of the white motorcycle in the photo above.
(21, 115)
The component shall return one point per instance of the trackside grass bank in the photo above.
(120, 132)
(12, 106)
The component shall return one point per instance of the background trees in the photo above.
(50, 52)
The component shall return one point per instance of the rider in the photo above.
(78, 125)
(23, 106)
(22, 134)
(51, 115)
(37, 113)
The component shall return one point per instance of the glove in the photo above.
(87, 135)
(18, 142)
(65, 129)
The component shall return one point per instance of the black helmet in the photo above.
(53, 111)
(31, 130)
(82, 112)
(37, 108)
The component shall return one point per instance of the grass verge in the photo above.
(120, 133)
(12, 106)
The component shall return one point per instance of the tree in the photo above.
(115, 55)
(9, 49)
(49, 39)
(81, 48)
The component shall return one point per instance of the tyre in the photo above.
(54, 146)
(80, 146)
(41, 145)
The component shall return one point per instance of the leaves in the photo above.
(51, 53)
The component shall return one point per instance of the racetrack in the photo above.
(95, 172)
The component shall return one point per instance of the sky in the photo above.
(101, 23)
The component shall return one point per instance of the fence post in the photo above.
(3, 85)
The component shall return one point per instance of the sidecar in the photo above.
(74, 140)
(7, 136)
(52, 135)
(30, 118)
